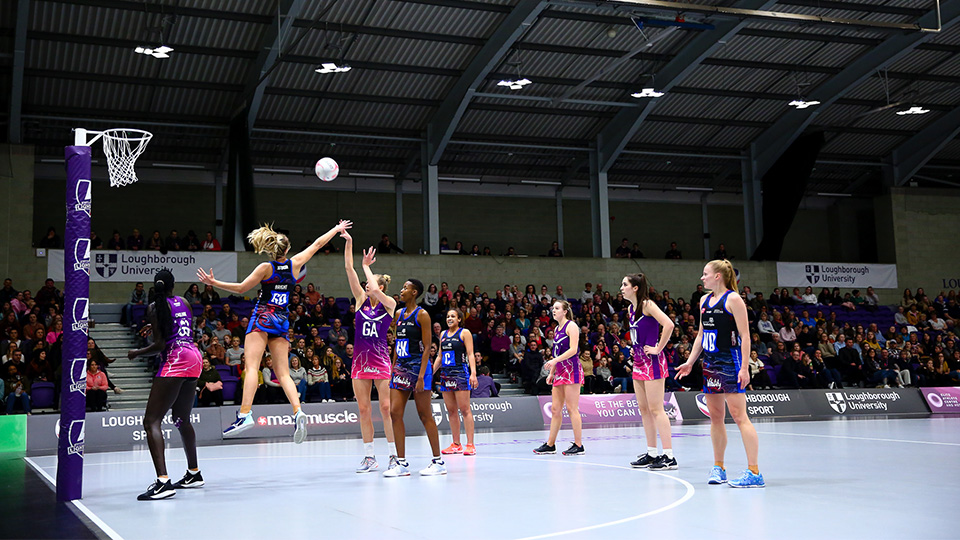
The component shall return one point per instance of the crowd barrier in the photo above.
(123, 430)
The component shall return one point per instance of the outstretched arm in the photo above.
(373, 288)
(301, 258)
(352, 278)
(260, 273)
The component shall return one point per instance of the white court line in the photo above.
(80, 506)
(876, 439)
(686, 496)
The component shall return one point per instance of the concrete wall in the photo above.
(16, 210)
(925, 224)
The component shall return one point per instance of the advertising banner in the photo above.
(780, 403)
(943, 399)
(133, 266)
(118, 430)
(857, 401)
(844, 275)
(610, 409)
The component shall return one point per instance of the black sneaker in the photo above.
(158, 490)
(574, 450)
(545, 449)
(645, 461)
(663, 463)
(189, 480)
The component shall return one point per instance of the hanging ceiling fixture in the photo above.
(916, 109)
(158, 52)
(647, 93)
(801, 104)
(333, 67)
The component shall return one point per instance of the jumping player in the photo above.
(566, 375)
(412, 374)
(456, 370)
(175, 385)
(649, 369)
(371, 352)
(269, 322)
(724, 339)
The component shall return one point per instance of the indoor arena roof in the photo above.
(428, 70)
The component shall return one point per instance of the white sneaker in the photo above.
(396, 469)
(368, 464)
(300, 433)
(242, 423)
(436, 468)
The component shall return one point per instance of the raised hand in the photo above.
(369, 256)
(346, 236)
(343, 225)
(205, 278)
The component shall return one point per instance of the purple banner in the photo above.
(610, 409)
(76, 309)
(943, 399)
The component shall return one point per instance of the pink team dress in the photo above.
(646, 331)
(180, 357)
(371, 353)
(569, 371)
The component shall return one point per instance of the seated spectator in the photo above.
(138, 297)
(15, 388)
(312, 297)
(341, 384)
(192, 294)
(673, 252)
(330, 311)
(51, 240)
(30, 329)
(807, 320)
(635, 252)
(589, 378)
(192, 242)
(209, 386)
(209, 296)
(273, 392)
(721, 253)
(55, 332)
(216, 351)
(386, 246)
(234, 355)
(95, 241)
(444, 244)
(604, 381)
(759, 346)
(155, 243)
(116, 241)
(623, 250)
(299, 376)
(475, 251)
(871, 301)
(485, 385)
(318, 380)
(788, 335)
(96, 386)
(759, 379)
(808, 297)
(555, 250)
(135, 241)
(336, 332)
(174, 242)
(221, 332)
(49, 295)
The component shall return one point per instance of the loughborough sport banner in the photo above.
(133, 266)
(848, 276)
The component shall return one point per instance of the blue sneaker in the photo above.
(717, 476)
(748, 480)
(300, 433)
(242, 423)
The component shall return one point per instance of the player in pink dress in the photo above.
(649, 369)
(566, 375)
(371, 352)
(174, 386)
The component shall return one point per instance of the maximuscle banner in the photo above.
(134, 266)
(843, 275)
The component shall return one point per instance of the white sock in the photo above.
(368, 449)
(668, 452)
(438, 460)
(392, 448)
(193, 471)
(652, 451)
(163, 480)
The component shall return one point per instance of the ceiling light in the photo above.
(514, 85)
(178, 166)
(827, 194)
(540, 182)
(371, 175)
(457, 179)
(288, 171)
(913, 110)
(801, 104)
(624, 186)
(686, 188)
(647, 92)
(332, 67)
(158, 52)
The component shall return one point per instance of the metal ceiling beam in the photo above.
(771, 144)
(271, 43)
(443, 123)
(906, 160)
(123, 79)
(14, 134)
(618, 132)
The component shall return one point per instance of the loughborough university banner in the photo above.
(134, 266)
(848, 276)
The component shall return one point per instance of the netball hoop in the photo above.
(122, 147)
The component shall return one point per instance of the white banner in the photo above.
(133, 266)
(843, 275)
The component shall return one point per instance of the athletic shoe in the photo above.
(748, 480)
(645, 461)
(663, 463)
(189, 480)
(242, 423)
(546, 449)
(300, 433)
(454, 448)
(717, 476)
(436, 468)
(574, 450)
(368, 464)
(396, 468)
(158, 490)
(469, 450)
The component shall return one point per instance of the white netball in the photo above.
(327, 169)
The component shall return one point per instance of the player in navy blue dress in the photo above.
(412, 374)
(456, 371)
(269, 321)
(724, 340)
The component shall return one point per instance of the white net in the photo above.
(122, 147)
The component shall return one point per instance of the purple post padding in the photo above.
(76, 309)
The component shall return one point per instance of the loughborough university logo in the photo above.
(75, 436)
(81, 310)
(78, 375)
(81, 255)
(106, 264)
(82, 203)
(813, 273)
(837, 401)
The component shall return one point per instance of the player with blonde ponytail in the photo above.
(269, 321)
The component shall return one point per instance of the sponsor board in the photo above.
(114, 430)
(818, 274)
(943, 399)
(779, 403)
(133, 266)
(609, 409)
(858, 401)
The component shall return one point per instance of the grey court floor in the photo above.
(848, 479)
